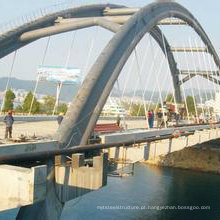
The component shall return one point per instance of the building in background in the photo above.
(113, 107)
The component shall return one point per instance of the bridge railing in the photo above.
(34, 15)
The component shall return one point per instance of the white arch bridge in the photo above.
(51, 182)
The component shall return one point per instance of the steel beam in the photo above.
(116, 19)
(188, 77)
(212, 79)
(205, 74)
(131, 11)
(189, 49)
(172, 21)
(65, 25)
(200, 72)
(57, 29)
(120, 11)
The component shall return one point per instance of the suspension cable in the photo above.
(140, 70)
(159, 89)
(189, 74)
(90, 50)
(210, 68)
(197, 82)
(59, 88)
(211, 80)
(207, 73)
(183, 89)
(200, 64)
(167, 93)
(148, 77)
(37, 82)
(129, 75)
(157, 82)
(168, 68)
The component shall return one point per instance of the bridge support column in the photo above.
(177, 94)
(67, 181)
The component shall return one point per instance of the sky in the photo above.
(30, 57)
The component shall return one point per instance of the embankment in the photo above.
(204, 157)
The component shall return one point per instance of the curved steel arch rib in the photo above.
(10, 41)
(86, 107)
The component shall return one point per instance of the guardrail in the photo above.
(34, 118)
(44, 155)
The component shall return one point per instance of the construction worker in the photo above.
(60, 118)
(9, 121)
(118, 121)
(177, 118)
(159, 118)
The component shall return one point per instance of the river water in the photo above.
(152, 193)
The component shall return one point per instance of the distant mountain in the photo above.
(155, 97)
(69, 91)
(45, 88)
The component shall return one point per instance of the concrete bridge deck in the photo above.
(46, 129)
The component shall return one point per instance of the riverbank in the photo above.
(204, 157)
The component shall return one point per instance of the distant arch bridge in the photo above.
(129, 25)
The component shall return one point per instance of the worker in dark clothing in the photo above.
(150, 116)
(118, 121)
(60, 118)
(9, 121)
(152, 120)
(159, 118)
(177, 118)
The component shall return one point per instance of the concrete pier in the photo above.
(21, 186)
(25, 186)
(76, 179)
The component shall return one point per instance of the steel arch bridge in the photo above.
(129, 25)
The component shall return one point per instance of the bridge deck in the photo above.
(46, 129)
(47, 143)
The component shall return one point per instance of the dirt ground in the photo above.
(47, 129)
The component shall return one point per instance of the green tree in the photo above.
(49, 102)
(125, 105)
(27, 104)
(62, 108)
(136, 108)
(190, 104)
(9, 99)
(19, 109)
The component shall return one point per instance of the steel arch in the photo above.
(86, 107)
(10, 42)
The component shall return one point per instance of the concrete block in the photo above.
(77, 160)
(204, 136)
(75, 180)
(133, 153)
(22, 186)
